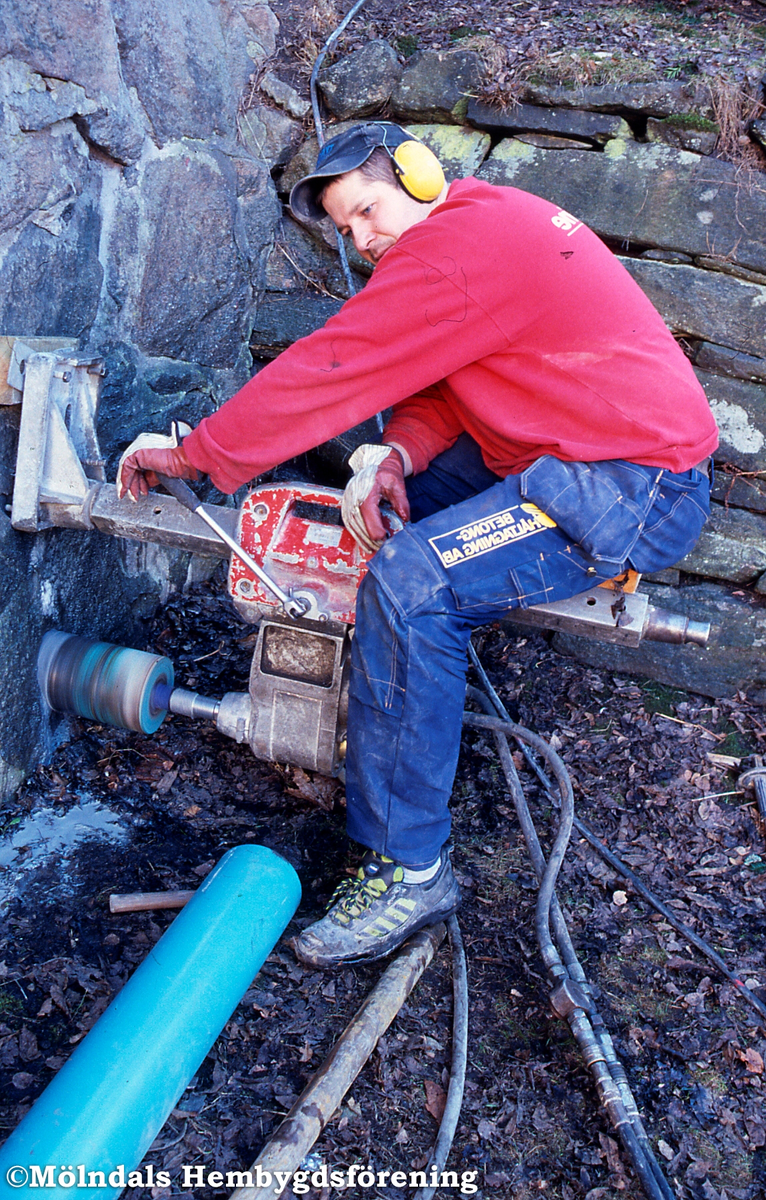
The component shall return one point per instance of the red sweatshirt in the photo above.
(498, 314)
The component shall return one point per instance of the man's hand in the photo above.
(378, 476)
(150, 455)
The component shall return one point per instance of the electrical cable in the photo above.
(456, 1086)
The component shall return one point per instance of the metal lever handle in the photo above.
(184, 494)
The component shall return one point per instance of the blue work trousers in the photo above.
(479, 546)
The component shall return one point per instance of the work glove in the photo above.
(378, 476)
(150, 455)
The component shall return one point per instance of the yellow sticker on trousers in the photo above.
(470, 541)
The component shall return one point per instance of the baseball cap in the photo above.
(343, 153)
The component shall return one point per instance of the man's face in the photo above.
(373, 212)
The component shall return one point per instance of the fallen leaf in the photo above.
(28, 1049)
(165, 784)
(612, 1151)
(753, 1061)
(436, 1098)
(486, 1129)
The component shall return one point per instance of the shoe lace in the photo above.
(354, 896)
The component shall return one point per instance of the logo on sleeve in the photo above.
(564, 220)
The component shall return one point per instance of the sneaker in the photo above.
(373, 913)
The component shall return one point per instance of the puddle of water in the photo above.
(48, 833)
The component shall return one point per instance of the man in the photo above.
(547, 432)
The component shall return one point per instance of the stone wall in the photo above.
(133, 219)
(638, 163)
(140, 212)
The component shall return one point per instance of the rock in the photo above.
(674, 131)
(269, 134)
(760, 586)
(194, 293)
(262, 28)
(645, 195)
(734, 659)
(37, 103)
(704, 304)
(281, 320)
(437, 86)
(731, 546)
(726, 361)
(260, 212)
(758, 131)
(668, 575)
(297, 260)
(362, 82)
(50, 282)
(189, 62)
(302, 163)
(725, 266)
(139, 394)
(594, 127)
(10, 418)
(549, 142)
(42, 174)
(739, 408)
(742, 491)
(668, 256)
(285, 96)
(656, 98)
(77, 43)
(460, 151)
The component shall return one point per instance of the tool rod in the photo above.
(293, 1139)
(184, 494)
(122, 902)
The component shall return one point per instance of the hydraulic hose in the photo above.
(332, 39)
(451, 1113)
(572, 997)
(618, 865)
(315, 108)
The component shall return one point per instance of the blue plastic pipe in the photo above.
(108, 1102)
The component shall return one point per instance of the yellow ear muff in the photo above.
(419, 170)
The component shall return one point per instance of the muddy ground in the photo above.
(644, 778)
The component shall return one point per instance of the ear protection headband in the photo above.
(417, 168)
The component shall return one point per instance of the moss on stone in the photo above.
(692, 120)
